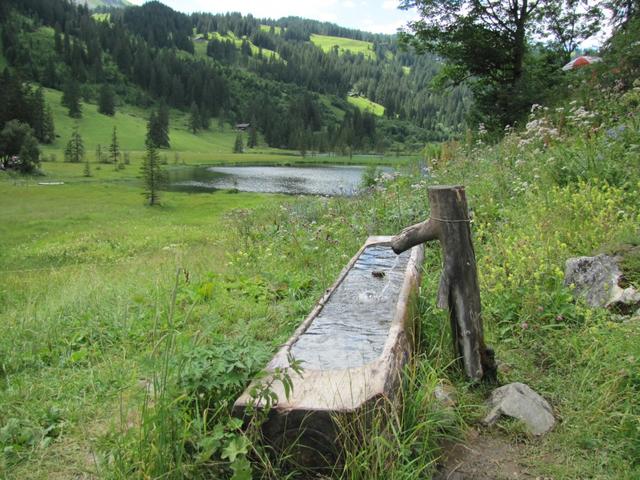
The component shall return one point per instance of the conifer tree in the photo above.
(194, 118)
(99, 158)
(87, 168)
(163, 126)
(38, 113)
(238, 147)
(152, 174)
(71, 98)
(158, 127)
(74, 151)
(29, 154)
(106, 101)
(114, 148)
(49, 75)
(48, 127)
(252, 142)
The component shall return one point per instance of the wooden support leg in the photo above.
(459, 291)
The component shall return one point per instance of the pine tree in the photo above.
(238, 147)
(106, 101)
(49, 75)
(194, 118)
(152, 174)
(158, 127)
(57, 40)
(29, 154)
(38, 108)
(99, 157)
(74, 151)
(71, 98)
(87, 168)
(48, 127)
(252, 142)
(114, 148)
(163, 126)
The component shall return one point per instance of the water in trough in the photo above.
(353, 326)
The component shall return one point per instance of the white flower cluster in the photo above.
(580, 116)
(538, 129)
(421, 185)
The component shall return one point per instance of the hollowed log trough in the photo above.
(353, 346)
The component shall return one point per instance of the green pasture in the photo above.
(131, 124)
(238, 42)
(366, 105)
(80, 261)
(327, 43)
(267, 28)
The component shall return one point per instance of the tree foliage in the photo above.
(71, 98)
(18, 147)
(74, 151)
(491, 42)
(158, 127)
(238, 146)
(18, 101)
(152, 174)
(114, 147)
(106, 100)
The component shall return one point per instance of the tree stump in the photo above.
(449, 223)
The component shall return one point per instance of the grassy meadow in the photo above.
(366, 105)
(328, 42)
(201, 47)
(82, 264)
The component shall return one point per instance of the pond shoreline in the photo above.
(293, 179)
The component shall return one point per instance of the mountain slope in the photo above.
(272, 74)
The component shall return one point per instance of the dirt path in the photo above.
(483, 457)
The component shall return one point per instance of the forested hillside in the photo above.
(285, 77)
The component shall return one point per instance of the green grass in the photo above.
(327, 43)
(238, 42)
(102, 17)
(200, 48)
(207, 145)
(366, 105)
(79, 263)
(267, 28)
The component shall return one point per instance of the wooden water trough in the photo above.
(352, 346)
(356, 340)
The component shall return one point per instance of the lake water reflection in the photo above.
(310, 180)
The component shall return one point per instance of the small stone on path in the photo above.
(520, 401)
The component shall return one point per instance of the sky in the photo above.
(377, 16)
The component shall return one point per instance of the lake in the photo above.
(306, 180)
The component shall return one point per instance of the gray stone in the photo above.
(519, 401)
(597, 280)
